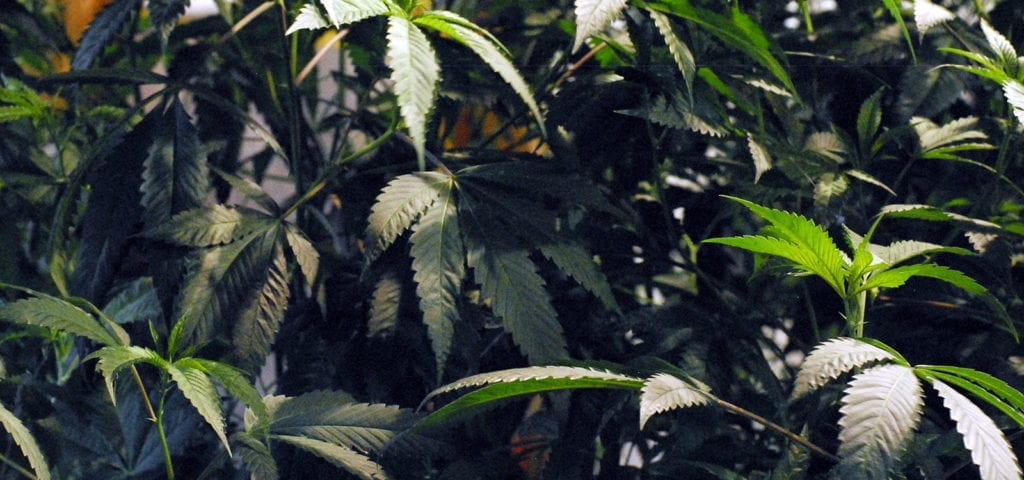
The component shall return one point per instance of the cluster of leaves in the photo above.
(541, 208)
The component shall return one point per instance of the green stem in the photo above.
(774, 426)
(159, 419)
(335, 168)
(855, 311)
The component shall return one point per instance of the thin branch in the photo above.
(778, 428)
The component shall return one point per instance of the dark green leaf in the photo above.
(54, 313)
(398, 206)
(106, 25)
(175, 177)
(209, 226)
(355, 463)
(202, 394)
(257, 324)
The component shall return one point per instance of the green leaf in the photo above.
(1014, 92)
(256, 456)
(1005, 53)
(51, 312)
(664, 392)
(257, 326)
(487, 48)
(304, 251)
(932, 136)
(896, 277)
(250, 190)
(103, 28)
(930, 213)
(309, 19)
(14, 113)
(235, 381)
(399, 204)
(385, 306)
(175, 177)
(577, 262)
(680, 51)
(202, 394)
(344, 12)
(993, 390)
(869, 119)
(739, 32)
(438, 254)
(989, 448)
(510, 280)
(226, 281)
(828, 186)
(26, 442)
(415, 73)
(833, 358)
(801, 257)
(894, 9)
(333, 417)
(867, 178)
(592, 16)
(881, 408)
(209, 226)
(112, 359)
(134, 302)
(355, 463)
(505, 384)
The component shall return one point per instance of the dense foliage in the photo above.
(511, 239)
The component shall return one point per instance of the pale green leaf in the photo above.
(1002, 47)
(826, 144)
(399, 204)
(828, 186)
(527, 374)
(869, 119)
(235, 381)
(930, 213)
(202, 394)
(928, 15)
(487, 48)
(664, 392)
(881, 408)
(10, 113)
(333, 417)
(869, 179)
(309, 19)
(802, 258)
(26, 442)
(903, 250)
(257, 325)
(574, 260)
(208, 226)
(355, 463)
(344, 12)
(762, 159)
(385, 306)
(415, 73)
(680, 51)
(592, 16)
(249, 189)
(112, 359)
(933, 136)
(1014, 92)
(833, 358)
(438, 254)
(510, 280)
(51, 312)
(989, 448)
(304, 251)
(134, 302)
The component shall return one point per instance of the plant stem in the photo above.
(855, 312)
(20, 469)
(163, 437)
(774, 426)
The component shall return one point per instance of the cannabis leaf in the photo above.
(353, 462)
(880, 409)
(989, 448)
(202, 394)
(51, 312)
(399, 204)
(26, 442)
(680, 51)
(664, 392)
(928, 15)
(832, 358)
(416, 73)
(175, 178)
(592, 16)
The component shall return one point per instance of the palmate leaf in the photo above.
(487, 48)
(333, 417)
(304, 251)
(881, 408)
(415, 73)
(104, 27)
(801, 257)
(26, 442)
(814, 249)
(506, 384)
(343, 12)
(225, 281)
(257, 326)
(996, 392)
(989, 448)
(235, 381)
(209, 226)
(309, 18)
(664, 392)
(202, 394)
(574, 260)
(355, 463)
(510, 280)
(438, 254)
(399, 204)
(833, 358)
(51, 312)
(592, 16)
(256, 456)
(175, 178)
